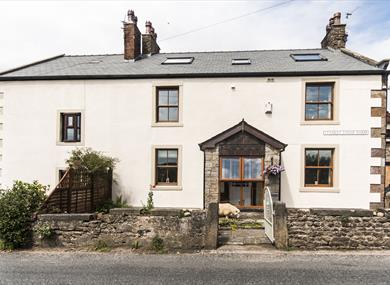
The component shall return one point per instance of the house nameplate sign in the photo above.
(346, 133)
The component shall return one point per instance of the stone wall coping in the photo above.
(337, 212)
(67, 217)
(135, 211)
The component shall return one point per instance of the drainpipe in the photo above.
(280, 175)
(204, 179)
(385, 85)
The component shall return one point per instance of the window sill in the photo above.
(322, 122)
(166, 188)
(70, 143)
(320, 189)
(173, 124)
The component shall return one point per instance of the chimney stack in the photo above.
(336, 36)
(132, 37)
(149, 40)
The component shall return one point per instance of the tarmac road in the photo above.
(260, 267)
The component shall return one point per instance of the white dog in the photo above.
(228, 210)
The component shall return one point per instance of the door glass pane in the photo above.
(325, 94)
(324, 176)
(78, 121)
(163, 97)
(311, 157)
(173, 98)
(173, 114)
(252, 168)
(325, 157)
(70, 134)
(163, 114)
(230, 168)
(312, 93)
(311, 176)
(235, 168)
(234, 194)
(311, 111)
(246, 195)
(162, 157)
(324, 111)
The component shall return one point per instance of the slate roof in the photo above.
(205, 64)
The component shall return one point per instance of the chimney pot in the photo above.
(337, 18)
(131, 17)
(148, 26)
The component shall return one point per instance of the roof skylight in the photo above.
(308, 57)
(178, 60)
(241, 61)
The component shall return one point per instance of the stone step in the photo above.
(242, 237)
(255, 215)
(241, 223)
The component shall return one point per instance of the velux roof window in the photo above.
(241, 61)
(308, 57)
(178, 60)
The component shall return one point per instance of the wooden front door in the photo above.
(241, 181)
(242, 194)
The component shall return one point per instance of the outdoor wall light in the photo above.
(268, 108)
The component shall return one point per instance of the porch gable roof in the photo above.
(242, 126)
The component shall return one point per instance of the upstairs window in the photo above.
(178, 60)
(167, 109)
(70, 127)
(241, 61)
(308, 57)
(319, 101)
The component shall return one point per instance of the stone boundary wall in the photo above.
(338, 229)
(179, 230)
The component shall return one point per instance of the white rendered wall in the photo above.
(118, 120)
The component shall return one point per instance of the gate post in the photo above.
(211, 239)
(280, 225)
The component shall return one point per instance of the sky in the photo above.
(35, 30)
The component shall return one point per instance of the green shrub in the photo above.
(102, 246)
(157, 244)
(135, 245)
(149, 204)
(106, 206)
(44, 231)
(4, 246)
(91, 160)
(17, 206)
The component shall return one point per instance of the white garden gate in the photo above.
(268, 215)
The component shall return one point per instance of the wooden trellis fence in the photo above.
(79, 192)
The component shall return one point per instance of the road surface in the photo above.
(124, 267)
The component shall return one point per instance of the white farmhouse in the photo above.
(201, 127)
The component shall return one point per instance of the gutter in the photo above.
(191, 75)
